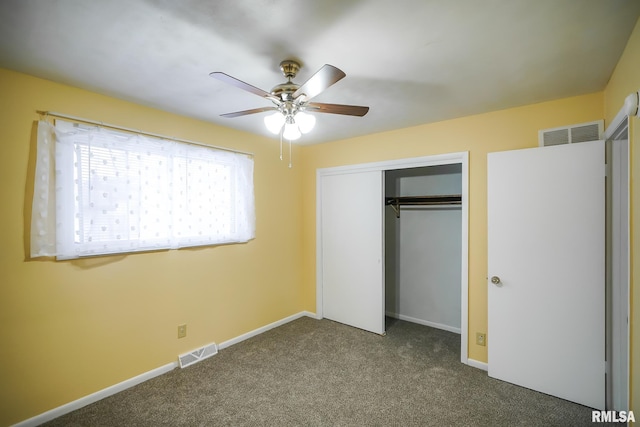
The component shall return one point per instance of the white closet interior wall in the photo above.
(423, 249)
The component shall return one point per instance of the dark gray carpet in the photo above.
(321, 373)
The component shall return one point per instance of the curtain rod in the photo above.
(155, 135)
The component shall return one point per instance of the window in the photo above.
(118, 192)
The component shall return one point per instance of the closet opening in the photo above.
(423, 249)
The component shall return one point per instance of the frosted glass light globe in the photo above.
(274, 122)
(291, 131)
(305, 122)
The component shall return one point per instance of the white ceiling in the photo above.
(411, 61)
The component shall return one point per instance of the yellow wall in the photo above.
(497, 131)
(624, 81)
(69, 329)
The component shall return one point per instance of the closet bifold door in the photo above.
(352, 206)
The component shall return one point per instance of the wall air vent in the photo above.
(198, 355)
(582, 132)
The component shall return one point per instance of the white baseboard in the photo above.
(425, 322)
(263, 329)
(477, 364)
(99, 395)
(94, 397)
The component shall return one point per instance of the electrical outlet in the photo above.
(182, 330)
(481, 339)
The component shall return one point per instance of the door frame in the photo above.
(461, 158)
(619, 262)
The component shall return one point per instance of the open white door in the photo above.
(546, 250)
(352, 249)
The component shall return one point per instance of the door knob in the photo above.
(495, 280)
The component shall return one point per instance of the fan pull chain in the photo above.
(290, 163)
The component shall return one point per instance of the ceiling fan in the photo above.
(292, 101)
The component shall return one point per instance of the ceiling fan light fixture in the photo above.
(291, 99)
(305, 121)
(274, 122)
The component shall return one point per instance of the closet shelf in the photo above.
(397, 202)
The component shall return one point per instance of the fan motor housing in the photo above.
(285, 90)
(289, 69)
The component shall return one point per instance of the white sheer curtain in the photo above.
(115, 192)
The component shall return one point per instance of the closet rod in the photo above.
(140, 132)
(448, 199)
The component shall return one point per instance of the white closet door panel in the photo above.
(352, 249)
(546, 230)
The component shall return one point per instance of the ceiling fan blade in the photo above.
(321, 80)
(247, 112)
(241, 85)
(348, 110)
